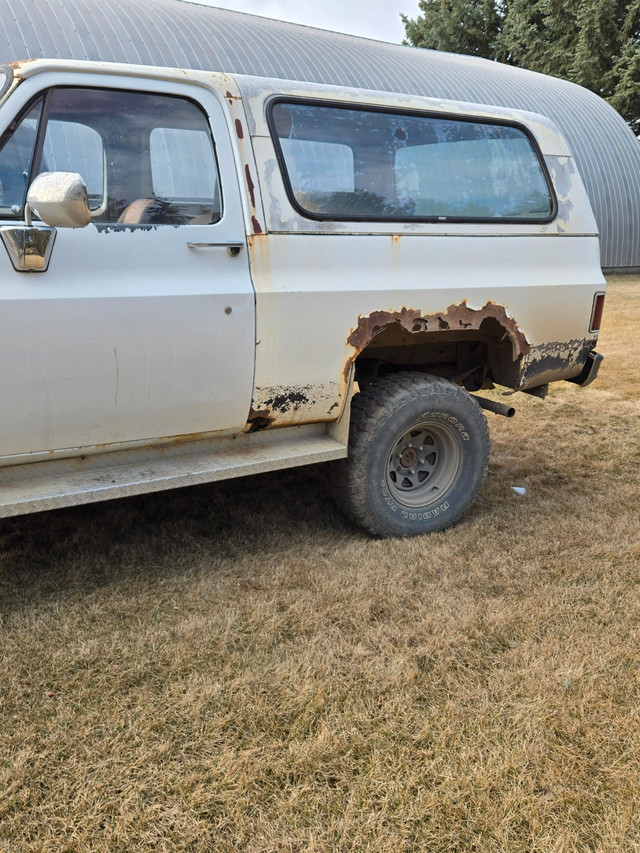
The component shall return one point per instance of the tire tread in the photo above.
(372, 407)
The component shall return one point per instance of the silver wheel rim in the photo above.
(423, 464)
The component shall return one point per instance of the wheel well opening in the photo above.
(473, 357)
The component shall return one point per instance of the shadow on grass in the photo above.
(163, 534)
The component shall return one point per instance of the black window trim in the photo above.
(378, 108)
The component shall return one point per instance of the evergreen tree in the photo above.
(595, 43)
(624, 79)
(457, 26)
(539, 35)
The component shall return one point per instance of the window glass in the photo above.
(495, 174)
(159, 161)
(73, 147)
(408, 166)
(146, 159)
(182, 164)
(319, 166)
(15, 161)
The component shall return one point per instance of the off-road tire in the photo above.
(418, 454)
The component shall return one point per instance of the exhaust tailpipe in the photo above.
(496, 408)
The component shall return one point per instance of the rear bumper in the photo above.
(589, 371)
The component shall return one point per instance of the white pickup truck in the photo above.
(205, 276)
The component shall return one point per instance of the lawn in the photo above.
(235, 667)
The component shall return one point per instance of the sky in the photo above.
(377, 19)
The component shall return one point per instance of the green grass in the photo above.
(236, 668)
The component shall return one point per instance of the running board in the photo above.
(38, 486)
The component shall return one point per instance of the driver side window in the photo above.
(147, 159)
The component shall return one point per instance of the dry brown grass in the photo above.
(235, 668)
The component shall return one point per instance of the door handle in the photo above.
(233, 248)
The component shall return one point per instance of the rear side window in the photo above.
(342, 163)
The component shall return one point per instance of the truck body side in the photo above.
(416, 293)
(228, 334)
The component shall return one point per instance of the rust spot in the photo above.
(257, 228)
(395, 239)
(17, 68)
(454, 318)
(162, 445)
(260, 258)
(250, 186)
(259, 419)
(186, 439)
(17, 65)
(239, 129)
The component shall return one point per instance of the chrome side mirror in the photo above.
(60, 199)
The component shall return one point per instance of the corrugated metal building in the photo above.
(187, 35)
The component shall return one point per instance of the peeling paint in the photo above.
(565, 206)
(562, 174)
(555, 360)
(115, 228)
(284, 406)
(288, 400)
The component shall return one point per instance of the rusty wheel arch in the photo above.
(392, 334)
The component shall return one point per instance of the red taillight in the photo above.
(596, 312)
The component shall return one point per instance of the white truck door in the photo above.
(142, 327)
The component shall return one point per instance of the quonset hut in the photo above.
(183, 34)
